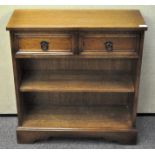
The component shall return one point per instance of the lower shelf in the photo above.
(112, 123)
(78, 117)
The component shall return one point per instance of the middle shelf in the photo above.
(71, 81)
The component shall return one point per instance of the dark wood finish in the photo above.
(78, 117)
(75, 82)
(30, 135)
(83, 55)
(137, 78)
(56, 42)
(17, 77)
(77, 99)
(95, 42)
(77, 76)
(94, 64)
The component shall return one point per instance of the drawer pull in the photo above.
(44, 45)
(108, 46)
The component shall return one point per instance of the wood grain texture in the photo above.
(78, 117)
(121, 42)
(83, 55)
(76, 99)
(17, 77)
(74, 82)
(78, 42)
(31, 135)
(45, 19)
(57, 43)
(81, 64)
(137, 78)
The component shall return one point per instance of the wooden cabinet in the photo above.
(77, 73)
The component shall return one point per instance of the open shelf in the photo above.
(99, 55)
(47, 81)
(78, 117)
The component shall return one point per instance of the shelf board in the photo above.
(91, 55)
(45, 81)
(78, 117)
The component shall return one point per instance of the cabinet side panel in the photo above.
(17, 76)
(137, 77)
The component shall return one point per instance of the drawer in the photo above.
(45, 42)
(109, 42)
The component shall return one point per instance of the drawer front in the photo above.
(45, 43)
(109, 42)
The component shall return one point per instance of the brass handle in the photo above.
(108, 45)
(44, 45)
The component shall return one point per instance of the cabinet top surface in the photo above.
(46, 19)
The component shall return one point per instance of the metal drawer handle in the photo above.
(44, 45)
(108, 45)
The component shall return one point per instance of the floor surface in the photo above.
(146, 138)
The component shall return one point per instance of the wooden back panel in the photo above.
(78, 64)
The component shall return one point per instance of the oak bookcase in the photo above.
(77, 73)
